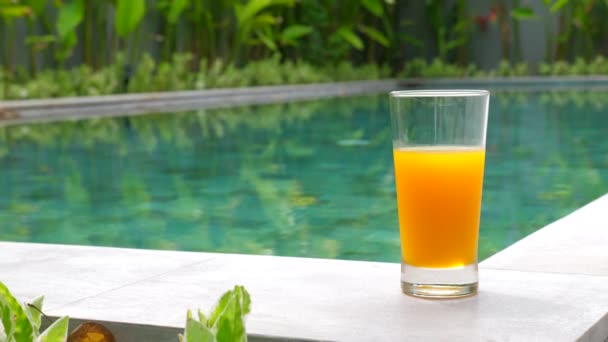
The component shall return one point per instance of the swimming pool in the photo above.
(311, 179)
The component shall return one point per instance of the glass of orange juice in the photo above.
(439, 141)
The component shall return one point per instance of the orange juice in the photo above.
(439, 200)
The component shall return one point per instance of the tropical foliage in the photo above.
(226, 323)
(21, 322)
(231, 30)
(116, 40)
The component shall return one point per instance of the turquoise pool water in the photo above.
(310, 179)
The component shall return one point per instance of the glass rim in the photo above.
(440, 93)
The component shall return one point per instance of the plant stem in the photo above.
(32, 48)
(517, 42)
(505, 31)
(99, 58)
(49, 61)
(211, 42)
(167, 35)
(4, 64)
(88, 32)
(516, 37)
(10, 48)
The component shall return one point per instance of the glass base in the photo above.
(439, 283)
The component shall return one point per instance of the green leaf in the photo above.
(33, 311)
(197, 332)
(373, 6)
(454, 43)
(17, 325)
(292, 33)
(267, 41)
(47, 39)
(253, 7)
(219, 308)
(202, 318)
(245, 300)
(375, 35)
(230, 323)
(248, 11)
(523, 13)
(176, 9)
(408, 38)
(128, 15)
(230, 326)
(14, 11)
(264, 20)
(407, 23)
(558, 5)
(37, 6)
(70, 16)
(349, 36)
(57, 332)
(67, 44)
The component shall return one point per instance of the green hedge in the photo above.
(149, 76)
(419, 68)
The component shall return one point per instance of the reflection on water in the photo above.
(308, 179)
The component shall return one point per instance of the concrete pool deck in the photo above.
(550, 286)
(42, 110)
(14, 112)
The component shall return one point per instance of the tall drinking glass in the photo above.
(439, 139)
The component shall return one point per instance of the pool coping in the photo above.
(43, 110)
(544, 287)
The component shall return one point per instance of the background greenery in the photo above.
(79, 47)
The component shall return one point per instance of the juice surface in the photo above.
(439, 201)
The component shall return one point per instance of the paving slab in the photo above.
(70, 273)
(360, 301)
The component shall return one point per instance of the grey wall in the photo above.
(484, 48)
